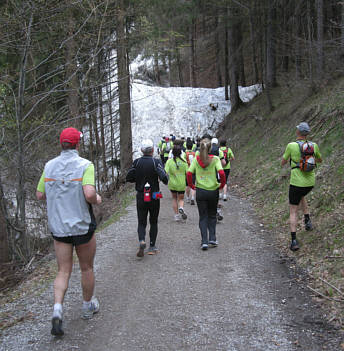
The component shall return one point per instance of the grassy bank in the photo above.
(258, 138)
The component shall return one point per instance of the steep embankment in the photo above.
(258, 138)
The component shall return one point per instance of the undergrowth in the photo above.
(258, 138)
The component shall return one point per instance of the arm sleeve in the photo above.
(88, 177)
(131, 175)
(41, 185)
(222, 178)
(189, 180)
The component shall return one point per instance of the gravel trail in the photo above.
(240, 296)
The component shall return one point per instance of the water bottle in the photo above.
(147, 197)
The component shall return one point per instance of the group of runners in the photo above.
(198, 168)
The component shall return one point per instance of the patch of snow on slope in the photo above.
(160, 111)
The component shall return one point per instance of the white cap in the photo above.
(147, 145)
(214, 141)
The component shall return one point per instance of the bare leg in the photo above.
(180, 200)
(225, 190)
(303, 206)
(86, 253)
(64, 256)
(293, 217)
(174, 203)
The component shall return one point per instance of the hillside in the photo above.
(258, 138)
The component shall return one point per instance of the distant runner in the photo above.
(160, 150)
(190, 154)
(228, 156)
(166, 148)
(176, 168)
(206, 167)
(303, 156)
(146, 172)
(68, 185)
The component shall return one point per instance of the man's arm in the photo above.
(131, 175)
(40, 195)
(283, 162)
(161, 172)
(91, 195)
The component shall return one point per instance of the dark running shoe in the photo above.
(182, 213)
(141, 251)
(192, 201)
(219, 216)
(308, 224)
(56, 329)
(152, 250)
(294, 246)
(213, 243)
(204, 247)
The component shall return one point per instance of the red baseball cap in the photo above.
(70, 135)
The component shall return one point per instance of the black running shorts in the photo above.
(177, 192)
(296, 193)
(76, 239)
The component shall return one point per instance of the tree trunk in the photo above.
(310, 42)
(4, 229)
(342, 32)
(217, 52)
(297, 23)
(240, 62)
(71, 76)
(179, 67)
(320, 39)
(156, 66)
(126, 153)
(270, 47)
(193, 64)
(254, 50)
(226, 62)
(21, 193)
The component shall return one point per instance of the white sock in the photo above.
(57, 310)
(86, 304)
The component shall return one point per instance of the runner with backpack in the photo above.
(166, 148)
(227, 156)
(176, 169)
(190, 155)
(303, 156)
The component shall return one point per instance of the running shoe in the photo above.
(152, 250)
(224, 197)
(308, 224)
(219, 216)
(182, 213)
(294, 246)
(187, 200)
(141, 251)
(221, 196)
(56, 328)
(204, 247)
(177, 217)
(88, 313)
(192, 201)
(213, 243)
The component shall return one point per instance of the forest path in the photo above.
(240, 296)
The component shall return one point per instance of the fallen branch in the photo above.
(334, 257)
(332, 286)
(324, 296)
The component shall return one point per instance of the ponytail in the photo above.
(204, 152)
(177, 151)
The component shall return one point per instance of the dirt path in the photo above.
(239, 296)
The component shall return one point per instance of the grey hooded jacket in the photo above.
(68, 212)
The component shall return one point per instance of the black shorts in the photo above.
(76, 239)
(177, 192)
(227, 171)
(296, 193)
